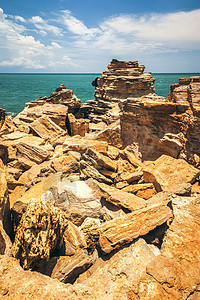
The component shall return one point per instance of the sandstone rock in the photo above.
(5, 242)
(100, 159)
(73, 240)
(90, 172)
(46, 128)
(38, 189)
(166, 173)
(15, 283)
(67, 269)
(35, 172)
(39, 233)
(175, 273)
(34, 110)
(155, 126)
(111, 134)
(118, 232)
(112, 278)
(2, 116)
(187, 90)
(113, 152)
(88, 229)
(32, 152)
(143, 190)
(82, 144)
(78, 201)
(131, 157)
(77, 126)
(129, 177)
(122, 199)
(18, 192)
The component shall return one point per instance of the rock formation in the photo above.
(94, 208)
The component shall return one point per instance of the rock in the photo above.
(47, 129)
(174, 274)
(32, 152)
(111, 134)
(2, 116)
(88, 229)
(36, 109)
(67, 269)
(187, 90)
(78, 201)
(5, 242)
(90, 172)
(131, 157)
(39, 233)
(77, 126)
(73, 240)
(129, 177)
(121, 231)
(112, 278)
(122, 80)
(167, 173)
(143, 190)
(38, 189)
(122, 199)
(35, 172)
(156, 126)
(82, 144)
(15, 281)
(100, 159)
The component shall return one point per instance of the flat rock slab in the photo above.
(122, 199)
(32, 152)
(166, 173)
(45, 127)
(67, 268)
(121, 231)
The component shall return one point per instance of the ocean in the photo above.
(17, 89)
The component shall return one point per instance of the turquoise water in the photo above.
(17, 89)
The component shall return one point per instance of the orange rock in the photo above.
(166, 173)
(77, 126)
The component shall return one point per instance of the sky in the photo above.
(83, 36)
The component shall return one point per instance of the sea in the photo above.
(16, 89)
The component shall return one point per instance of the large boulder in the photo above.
(167, 173)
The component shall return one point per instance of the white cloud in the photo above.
(44, 27)
(20, 50)
(78, 27)
(21, 19)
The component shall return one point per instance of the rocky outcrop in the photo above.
(154, 127)
(112, 209)
(2, 116)
(186, 91)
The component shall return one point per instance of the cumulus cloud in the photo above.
(19, 49)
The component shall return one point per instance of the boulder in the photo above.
(31, 152)
(167, 173)
(77, 126)
(99, 159)
(67, 269)
(46, 128)
(121, 231)
(122, 199)
(5, 242)
(78, 201)
(143, 190)
(39, 233)
(91, 172)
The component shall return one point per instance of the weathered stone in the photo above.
(34, 110)
(15, 283)
(46, 128)
(112, 278)
(167, 173)
(111, 134)
(77, 126)
(39, 233)
(129, 177)
(78, 201)
(5, 242)
(118, 232)
(100, 159)
(82, 144)
(122, 199)
(35, 172)
(113, 152)
(67, 269)
(143, 190)
(73, 240)
(32, 152)
(90, 172)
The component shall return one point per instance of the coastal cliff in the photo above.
(101, 200)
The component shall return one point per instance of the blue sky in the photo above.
(83, 36)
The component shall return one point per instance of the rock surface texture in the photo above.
(101, 200)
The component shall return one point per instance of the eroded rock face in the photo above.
(39, 233)
(157, 126)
